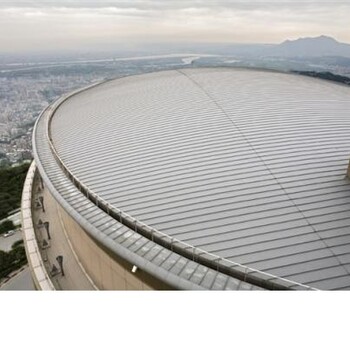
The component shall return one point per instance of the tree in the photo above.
(7, 225)
(11, 185)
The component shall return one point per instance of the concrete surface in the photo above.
(15, 218)
(74, 278)
(21, 281)
(6, 242)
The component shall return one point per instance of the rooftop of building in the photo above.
(244, 167)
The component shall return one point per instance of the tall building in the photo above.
(211, 178)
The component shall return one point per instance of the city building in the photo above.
(207, 178)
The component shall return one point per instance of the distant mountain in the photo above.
(309, 47)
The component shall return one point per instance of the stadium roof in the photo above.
(246, 165)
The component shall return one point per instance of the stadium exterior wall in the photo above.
(40, 277)
(107, 271)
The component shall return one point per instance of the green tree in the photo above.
(11, 184)
(12, 260)
(7, 225)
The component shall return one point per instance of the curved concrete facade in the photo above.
(39, 273)
(203, 179)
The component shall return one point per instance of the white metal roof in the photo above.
(248, 165)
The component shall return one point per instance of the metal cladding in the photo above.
(247, 165)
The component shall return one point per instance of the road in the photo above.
(22, 281)
(6, 242)
(15, 218)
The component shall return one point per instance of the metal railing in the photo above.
(228, 267)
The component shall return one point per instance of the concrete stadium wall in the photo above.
(39, 274)
(107, 271)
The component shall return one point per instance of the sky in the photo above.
(74, 24)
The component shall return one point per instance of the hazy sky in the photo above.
(59, 24)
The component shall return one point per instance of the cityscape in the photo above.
(27, 88)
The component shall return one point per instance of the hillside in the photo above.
(326, 76)
(310, 47)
